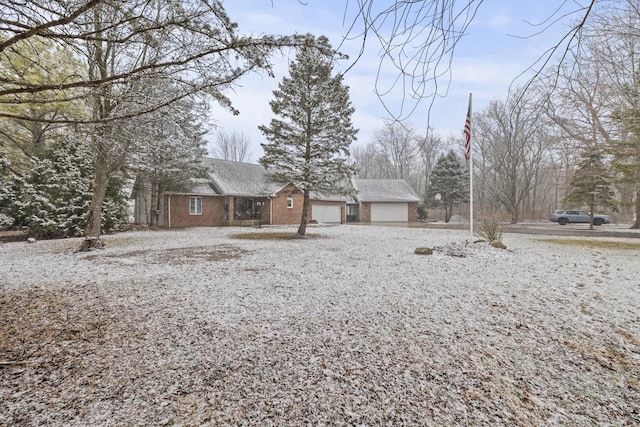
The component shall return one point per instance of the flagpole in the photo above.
(468, 156)
(470, 168)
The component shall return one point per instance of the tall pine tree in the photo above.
(591, 185)
(626, 150)
(309, 141)
(448, 185)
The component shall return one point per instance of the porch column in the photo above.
(230, 209)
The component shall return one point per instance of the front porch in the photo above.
(246, 211)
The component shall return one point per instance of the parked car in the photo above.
(564, 217)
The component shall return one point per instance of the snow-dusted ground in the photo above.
(194, 327)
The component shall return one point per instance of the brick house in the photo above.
(236, 193)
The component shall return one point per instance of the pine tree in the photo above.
(448, 184)
(309, 142)
(52, 198)
(169, 146)
(591, 185)
(626, 150)
(7, 193)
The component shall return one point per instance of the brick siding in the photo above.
(281, 213)
(176, 212)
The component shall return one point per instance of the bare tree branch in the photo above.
(418, 38)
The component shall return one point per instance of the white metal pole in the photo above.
(470, 168)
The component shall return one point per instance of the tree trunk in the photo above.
(636, 210)
(448, 209)
(154, 209)
(94, 218)
(514, 216)
(305, 215)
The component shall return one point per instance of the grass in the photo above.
(601, 244)
(272, 235)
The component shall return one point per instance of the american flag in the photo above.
(467, 134)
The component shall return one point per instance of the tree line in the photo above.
(95, 92)
(125, 83)
(570, 138)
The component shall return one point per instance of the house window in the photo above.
(290, 202)
(195, 206)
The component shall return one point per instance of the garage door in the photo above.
(388, 212)
(325, 213)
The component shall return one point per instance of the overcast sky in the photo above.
(501, 44)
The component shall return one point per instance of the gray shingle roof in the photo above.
(384, 190)
(240, 179)
(229, 178)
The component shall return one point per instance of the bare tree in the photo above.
(392, 154)
(232, 146)
(419, 39)
(397, 143)
(193, 45)
(398, 152)
(430, 147)
(597, 105)
(510, 148)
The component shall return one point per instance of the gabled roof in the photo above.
(229, 178)
(203, 186)
(240, 179)
(384, 190)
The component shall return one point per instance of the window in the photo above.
(290, 202)
(195, 206)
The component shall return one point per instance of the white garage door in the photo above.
(325, 213)
(387, 212)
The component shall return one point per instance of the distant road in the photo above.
(607, 230)
(551, 229)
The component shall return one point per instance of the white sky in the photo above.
(501, 44)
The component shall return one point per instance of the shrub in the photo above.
(490, 227)
(6, 222)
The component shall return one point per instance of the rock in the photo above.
(498, 244)
(423, 251)
(31, 240)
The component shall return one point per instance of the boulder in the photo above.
(498, 244)
(423, 251)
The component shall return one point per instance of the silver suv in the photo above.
(564, 217)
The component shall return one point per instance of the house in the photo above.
(236, 193)
(383, 200)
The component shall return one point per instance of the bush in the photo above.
(490, 227)
(6, 222)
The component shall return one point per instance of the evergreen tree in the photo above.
(169, 146)
(626, 150)
(448, 184)
(26, 128)
(309, 142)
(7, 193)
(591, 184)
(52, 198)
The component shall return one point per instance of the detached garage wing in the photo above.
(385, 200)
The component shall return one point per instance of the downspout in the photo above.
(270, 210)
